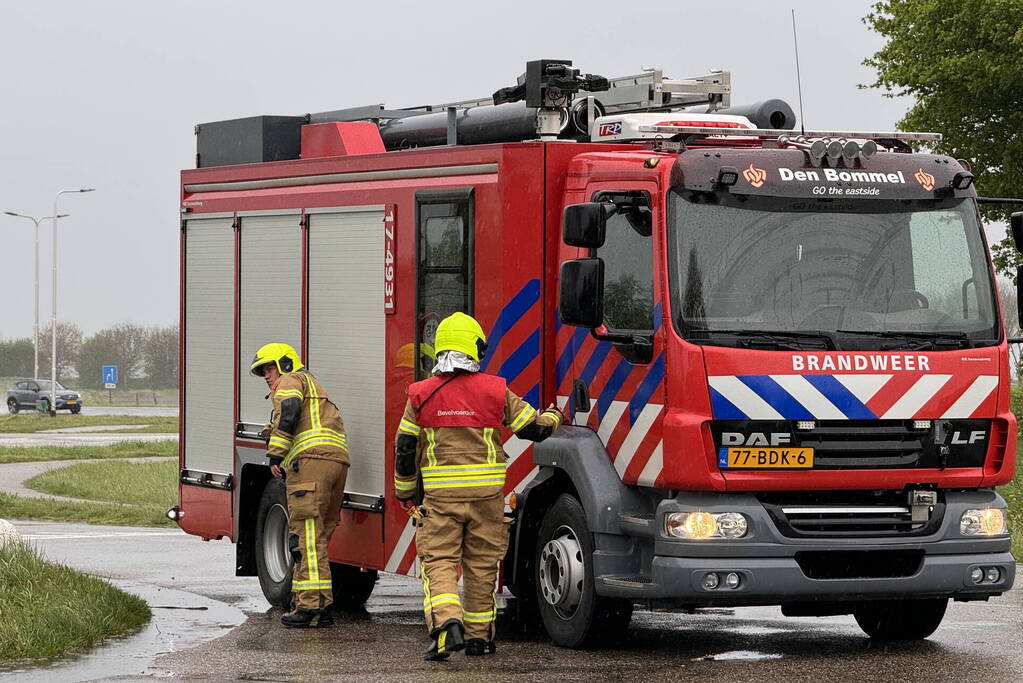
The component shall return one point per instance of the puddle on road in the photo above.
(180, 621)
(738, 656)
(755, 630)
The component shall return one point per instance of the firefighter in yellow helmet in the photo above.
(307, 447)
(450, 436)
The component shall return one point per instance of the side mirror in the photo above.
(1016, 226)
(581, 292)
(1019, 289)
(584, 225)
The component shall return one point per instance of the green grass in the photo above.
(1013, 491)
(1013, 494)
(145, 484)
(129, 397)
(16, 507)
(48, 610)
(26, 423)
(122, 449)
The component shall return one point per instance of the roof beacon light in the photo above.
(962, 180)
(728, 175)
(835, 149)
(868, 149)
(818, 149)
(851, 150)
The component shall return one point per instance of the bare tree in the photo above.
(128, 341)
(69, 343)
(161, 356)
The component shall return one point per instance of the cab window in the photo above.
(628, 263)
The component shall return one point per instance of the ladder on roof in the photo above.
(644, 92)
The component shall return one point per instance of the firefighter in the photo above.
(308, 448)
(450, 438)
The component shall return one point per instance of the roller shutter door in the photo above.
(346, 332)
(271, 300)
(209, 353)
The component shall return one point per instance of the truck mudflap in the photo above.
(767, 567)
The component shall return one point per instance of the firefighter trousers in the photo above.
(314, 491)
(473, 535)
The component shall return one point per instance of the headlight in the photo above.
(983, 522)
(700, 525)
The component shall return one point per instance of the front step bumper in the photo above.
(774, 568)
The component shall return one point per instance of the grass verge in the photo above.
(1013, 494)
(16, 507)
(48, 610)
(147, 484)
(26, 423)
(129, 397)
(122, 449)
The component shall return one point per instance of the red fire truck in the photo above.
(781, 351)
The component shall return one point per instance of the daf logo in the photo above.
(755, 439)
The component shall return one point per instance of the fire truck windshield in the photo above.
(811, 273)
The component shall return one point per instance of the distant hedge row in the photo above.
(147, 357)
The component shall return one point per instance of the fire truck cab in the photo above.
(781, 353)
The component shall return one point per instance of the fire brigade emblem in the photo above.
(925, 179)
(755, 176)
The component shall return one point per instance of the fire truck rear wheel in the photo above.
(273, 561)
(352, 586)
(572, 613)
(900, 619)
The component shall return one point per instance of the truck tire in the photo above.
(900, 619)
(12, 406)
(572, 613)
(351, 586)
(273, 559)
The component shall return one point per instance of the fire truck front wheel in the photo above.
(900, 619)
(273, 561)
(572, 613)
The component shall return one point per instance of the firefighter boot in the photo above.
(447, 639)
(305, 618)
(477, 647)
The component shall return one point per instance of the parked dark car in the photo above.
(25, 394)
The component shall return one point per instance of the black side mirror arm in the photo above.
(601, 334)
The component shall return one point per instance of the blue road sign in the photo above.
(110, 374)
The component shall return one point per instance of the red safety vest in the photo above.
(467, 400)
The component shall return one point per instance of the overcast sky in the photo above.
(106, 94)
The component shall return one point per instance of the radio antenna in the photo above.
(799, 80)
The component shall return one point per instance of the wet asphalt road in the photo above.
(143, 411)
(977, 642)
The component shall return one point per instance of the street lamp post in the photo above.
(53, 324)
(35, 332)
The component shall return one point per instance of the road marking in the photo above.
(46, 537)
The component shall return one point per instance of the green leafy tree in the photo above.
(161, 357)
(963, 63)
(16, 358)
(97, 350)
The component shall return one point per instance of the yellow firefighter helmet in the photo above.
(282, 355)
(460, 332)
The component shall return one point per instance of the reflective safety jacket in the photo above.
(450, 435)
(305, 422)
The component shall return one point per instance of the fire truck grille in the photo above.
(864, 444)
(850, 514)
(859, 564)
(867, 444)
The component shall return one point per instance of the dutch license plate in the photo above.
(72, 403)
(775, 458)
